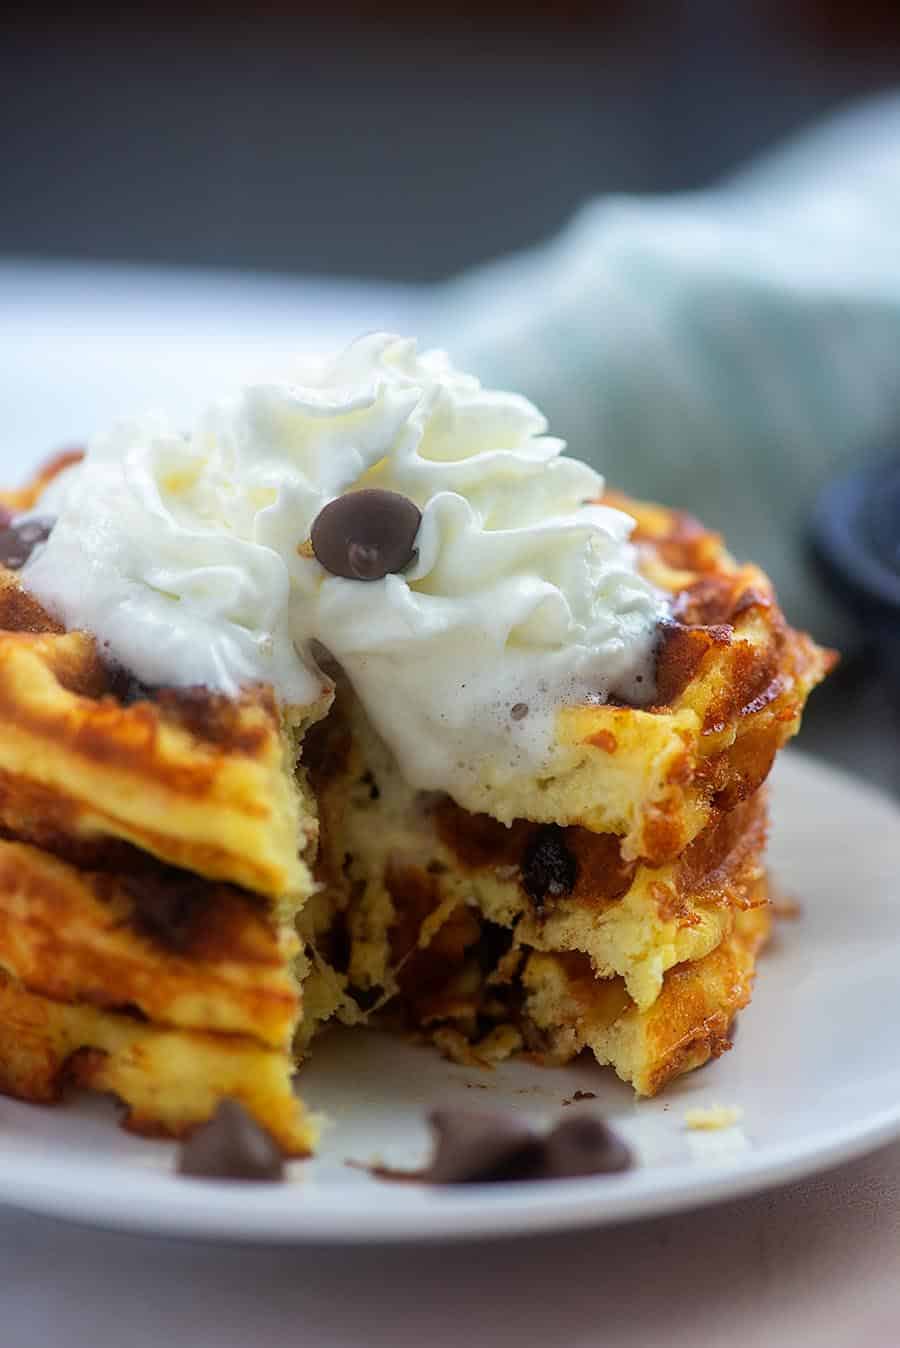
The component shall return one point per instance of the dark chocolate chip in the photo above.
(549, 869)
(582, 1144)
(480, 1148)
(519, 711)
(126, 687)
(366, 535)
(166, 903)
(18, 541)
(494, 943)
(365, 998)
(233, 1146)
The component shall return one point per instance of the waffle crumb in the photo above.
(712, 1118)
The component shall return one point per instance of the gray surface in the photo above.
(853, 721)
(306, 140)
(812, 1264)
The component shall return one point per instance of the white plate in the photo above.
(816, 1072)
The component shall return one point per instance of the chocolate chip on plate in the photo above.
(18, 541)
(231, 1146)
(483, 1148)
(549, 869)
(582, 1144)
(366, 535)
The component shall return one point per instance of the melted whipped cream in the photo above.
(179, 552)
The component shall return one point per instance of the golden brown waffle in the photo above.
(636, 863)
(169, 1080)
(485, 973)
(176, 948)
(166, 989)
(155, 847)
(688, 1024)
(150, 870)
(732, 681)
(89, 760)
(396, 866)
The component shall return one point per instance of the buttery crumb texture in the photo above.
(713, 1118)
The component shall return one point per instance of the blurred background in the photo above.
(390, 139)
(298, 150)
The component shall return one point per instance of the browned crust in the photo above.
(690, 1023)
(707, 866)
(453, 976)
(693, 1018)
(176, 948)
(129, 737)
(78, 768)
(169, 1081)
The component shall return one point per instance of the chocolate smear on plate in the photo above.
(579, 1096)
(584, 1145)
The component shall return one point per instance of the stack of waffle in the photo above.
(621, 904)
(151, 864)
(174, 929)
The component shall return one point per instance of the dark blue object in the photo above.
(857, 537)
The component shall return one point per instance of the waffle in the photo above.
(152, 849)
(432, 912)
(192, 885)
(172, 947)
(390, 858)
(732, 679)
(168, 1080)
(688, 1024)
(87, 760)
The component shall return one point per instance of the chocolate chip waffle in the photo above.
(731, 681)
(172, 926)
(644, 880)
(151, 863)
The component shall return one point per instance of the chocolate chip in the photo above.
(582, 1144)
(549, 869)
(519, 711)
(18, 541)
(126, 687)
(366, 535)
(365, 998)
(482, 1148)
(233, 1146)
(166, 904)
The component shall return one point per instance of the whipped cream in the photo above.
(179, 552)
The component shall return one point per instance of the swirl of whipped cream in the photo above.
(180, 554)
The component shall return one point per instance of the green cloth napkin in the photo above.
(727, 351)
